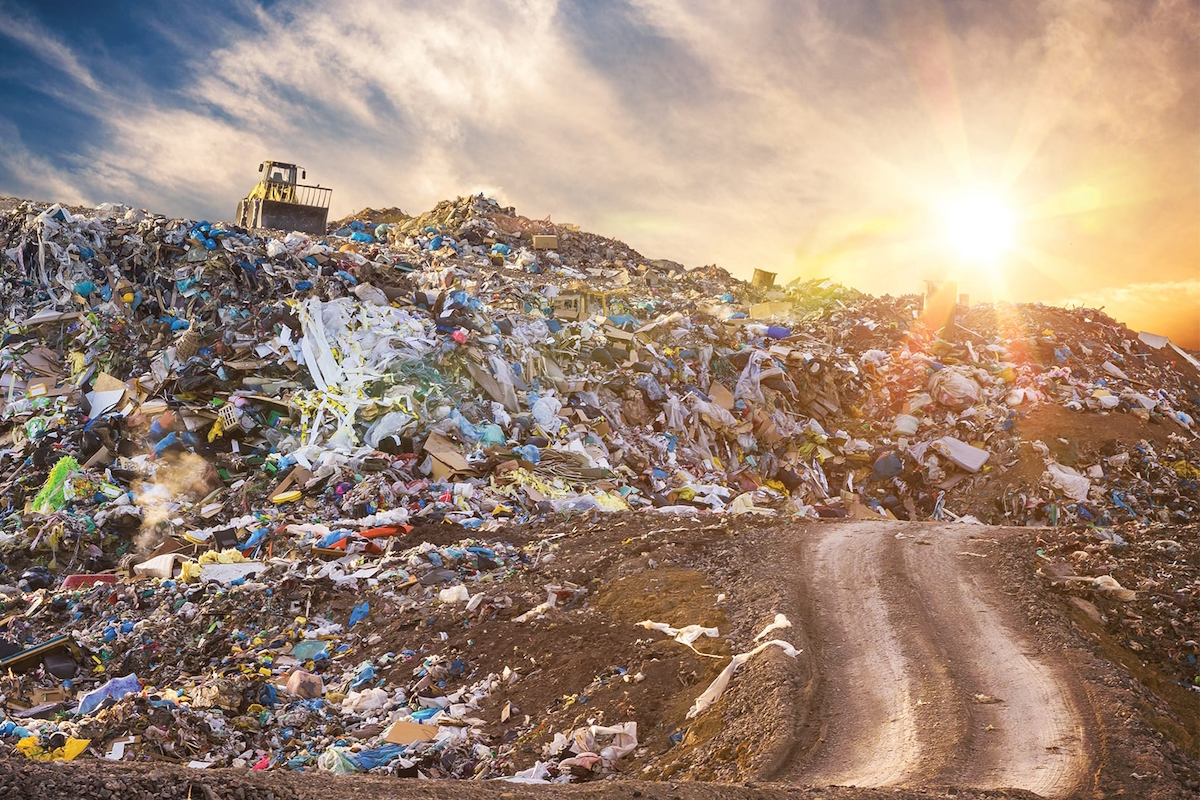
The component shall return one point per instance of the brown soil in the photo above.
(1083, 433)
(1091, 430)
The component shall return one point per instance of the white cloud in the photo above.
(43, 45)
(30, 176)
(388, 106)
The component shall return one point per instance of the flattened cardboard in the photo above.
(160, 566)
(107, 383)
(405, 732)
(505, 395)
(38, 697)
(613, 332)
(447, 460)
(49, 315)
(295, 479)
(101, 457)
(721, 396)
(43, 361)
(766, 431)
(769, 310)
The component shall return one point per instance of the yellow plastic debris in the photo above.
(1185, 470)
(611, 502)
(31, 749)
(228, 556)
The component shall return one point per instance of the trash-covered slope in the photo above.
(669, 386)
(232, 432)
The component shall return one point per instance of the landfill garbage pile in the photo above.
(1138, 583)
(212, 438)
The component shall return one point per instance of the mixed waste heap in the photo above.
(201, 424)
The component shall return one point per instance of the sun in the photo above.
(978, 226)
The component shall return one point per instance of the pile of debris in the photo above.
(201, 423)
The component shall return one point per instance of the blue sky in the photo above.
(808, 138)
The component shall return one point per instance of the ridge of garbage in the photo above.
(198, 419)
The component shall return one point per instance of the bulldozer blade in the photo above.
(293, 217)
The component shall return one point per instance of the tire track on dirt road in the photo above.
(927, 672)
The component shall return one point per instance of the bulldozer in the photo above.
(278, 201)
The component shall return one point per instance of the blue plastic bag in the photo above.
(360, 613)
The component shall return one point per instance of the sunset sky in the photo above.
(1036, 151)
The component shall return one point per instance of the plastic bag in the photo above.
(653, 389)
(366, 701)
(576, 505)
(715, 689)
(492, 435)
(468, 430)
(538, 773)
(624, 742)
(686, 635)
(1068, 481)
(454, 594)
(953, 389)
(116, 689)
(336, 760)
(545, 411)
(360, 612)
(674, 413)
(748, 384)
(378, 756)
(744, 504)
(32, 750)
(393, 423)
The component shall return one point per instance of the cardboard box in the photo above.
(545, 242)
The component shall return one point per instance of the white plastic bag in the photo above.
(454, 594)
(545, 412)
(1068, 481)
(748, 384)
(953, 389)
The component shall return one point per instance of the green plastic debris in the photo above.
(53, 495)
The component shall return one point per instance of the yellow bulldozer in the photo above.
(278, 201)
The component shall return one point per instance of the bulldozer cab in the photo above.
(281, 173)
(279, 181)
(279, 201)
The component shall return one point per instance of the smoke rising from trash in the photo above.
(178, 478)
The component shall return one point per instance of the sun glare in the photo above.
(978, 227)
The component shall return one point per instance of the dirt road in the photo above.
(926, 673)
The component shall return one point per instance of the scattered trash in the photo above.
(224, 453)
(715, 689)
